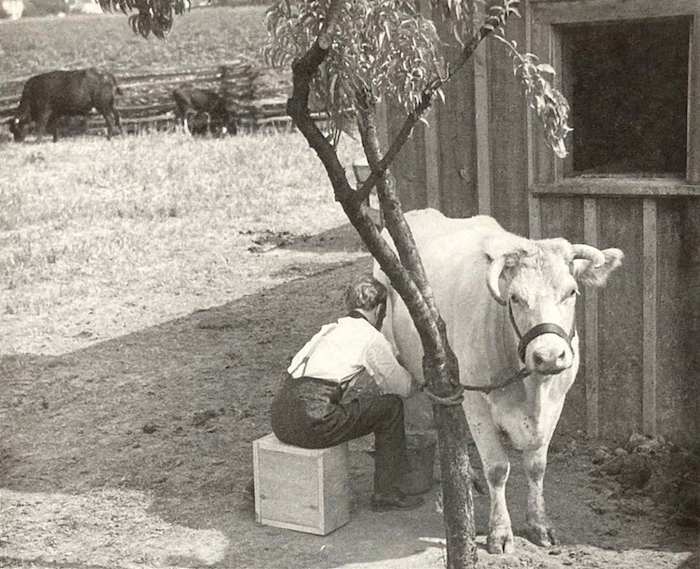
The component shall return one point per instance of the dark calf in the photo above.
(48, 97)
(202, 112)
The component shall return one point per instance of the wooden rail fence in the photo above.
(256, 95)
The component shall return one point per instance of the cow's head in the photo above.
(538, 282)
(18, 128)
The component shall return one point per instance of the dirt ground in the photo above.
(133, 453)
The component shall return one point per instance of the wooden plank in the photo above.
(556, 60)
(649, 319)
(590, 236)
(693, 166)
(621, 322)
(678, 319)
(534, 216)
(11, 99)
(431, 132)
(533, 202)
(507, 136)
(145, 110)
(564, 81)
(432, 158)
(131, 78)
(543, 46)
(581, 11)
(483, 136)
(457, 142)
(618, 187)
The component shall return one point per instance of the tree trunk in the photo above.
(440, 370)
(439, 363)
(457, 500)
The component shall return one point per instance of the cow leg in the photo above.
(52, 127)
(110, 124)
(186, 121)
(496, 469)
(117, 121)
(539, 530)
(44, 119)
(109, 114)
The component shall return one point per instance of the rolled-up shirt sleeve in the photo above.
(383, 366)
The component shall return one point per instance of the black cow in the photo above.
(48, 97)
(202, 112)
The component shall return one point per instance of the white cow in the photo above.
(492, 289)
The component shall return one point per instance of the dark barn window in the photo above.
(627, 84)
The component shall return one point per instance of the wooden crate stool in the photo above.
(301, 489)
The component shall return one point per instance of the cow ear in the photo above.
(587, 273)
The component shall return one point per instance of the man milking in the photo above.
(309, 410)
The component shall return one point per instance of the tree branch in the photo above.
(442, 359)
(492, 22)
(355, 209)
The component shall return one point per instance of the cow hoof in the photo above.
(500, 540)
(542, 535)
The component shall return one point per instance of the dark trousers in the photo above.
(307, 412)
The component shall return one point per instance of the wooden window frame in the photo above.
(544, 38)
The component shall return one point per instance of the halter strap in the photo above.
(538, 330)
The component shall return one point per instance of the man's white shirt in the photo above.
(344, 350)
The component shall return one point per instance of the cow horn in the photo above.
(492, 275)
(590, 253)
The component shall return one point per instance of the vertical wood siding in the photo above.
(409, 167)
(457, 147)
(590, 341)
(508, 136)
(678, 318)
(620, 320)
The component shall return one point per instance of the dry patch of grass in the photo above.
(102, 528)
(99, 239)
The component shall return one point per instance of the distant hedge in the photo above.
(34, 8)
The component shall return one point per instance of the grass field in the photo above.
(200, 38)
(97, 238)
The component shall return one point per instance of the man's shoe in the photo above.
(395, 501)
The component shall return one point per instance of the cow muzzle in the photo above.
(547, 355)
(548, 351)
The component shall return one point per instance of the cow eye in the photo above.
(571, 294)
(514, 299)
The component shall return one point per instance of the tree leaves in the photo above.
(384, 49)
(153, 16)
(548, 102)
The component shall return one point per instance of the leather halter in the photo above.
(538, 330)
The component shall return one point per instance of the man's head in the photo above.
(367, 295)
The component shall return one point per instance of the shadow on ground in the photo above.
(136, 450)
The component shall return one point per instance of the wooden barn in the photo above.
(631, 72)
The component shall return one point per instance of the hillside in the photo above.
(200, 38)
